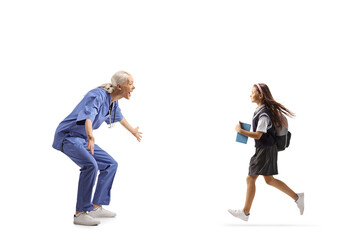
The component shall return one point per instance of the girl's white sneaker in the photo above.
(239, 214)
(300, 202)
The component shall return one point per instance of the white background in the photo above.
(194, 63)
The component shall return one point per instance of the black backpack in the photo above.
(282, 138)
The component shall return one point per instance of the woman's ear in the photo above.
(118, 87)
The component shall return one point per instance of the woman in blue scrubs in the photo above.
(74, 137)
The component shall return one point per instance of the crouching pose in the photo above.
(74, 137)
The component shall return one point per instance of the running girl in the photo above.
(268, 117)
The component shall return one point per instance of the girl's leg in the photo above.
(281, 186)
(250, 192)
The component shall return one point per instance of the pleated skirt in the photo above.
(264, 161)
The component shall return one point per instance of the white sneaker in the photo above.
(100, 212)
(239, 214)
(83, 218)
(300, 202)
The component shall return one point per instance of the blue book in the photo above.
(242, 138)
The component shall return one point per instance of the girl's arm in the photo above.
(256, 135)
(134, 131)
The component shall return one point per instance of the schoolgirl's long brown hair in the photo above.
(276, 109)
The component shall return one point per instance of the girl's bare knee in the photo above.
(251, 178)
(269, 179)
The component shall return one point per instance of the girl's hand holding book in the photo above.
(238, 127)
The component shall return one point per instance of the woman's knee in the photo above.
(112, 166)
(90, 167)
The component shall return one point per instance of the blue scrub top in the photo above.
(94, 106)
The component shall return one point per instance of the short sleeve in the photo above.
(263, 124)
(89, 110)
(116, 115)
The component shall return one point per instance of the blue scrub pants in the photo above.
(76, 148)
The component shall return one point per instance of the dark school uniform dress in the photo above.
(264, 161)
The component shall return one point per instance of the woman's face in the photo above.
(255, 96)
(128, 87)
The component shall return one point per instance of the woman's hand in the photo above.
(137, 134)
(91, 144)
(89, 133)
(134, 131)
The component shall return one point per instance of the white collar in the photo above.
(259, 108)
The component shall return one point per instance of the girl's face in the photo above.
(255, 96)
(128, 87)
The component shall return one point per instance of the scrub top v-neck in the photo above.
(94, 106)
